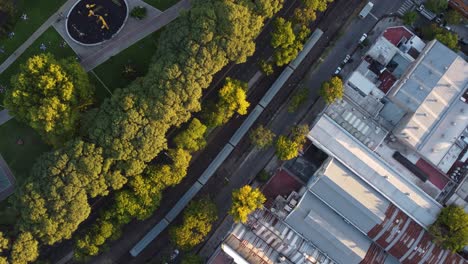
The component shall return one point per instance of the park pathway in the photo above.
(49, 22)
(129, 37)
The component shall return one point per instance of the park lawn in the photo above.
(161, 4)
(138, 55)
(52, 39)
(38, 12)
(20, 158)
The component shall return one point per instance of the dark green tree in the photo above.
(451, 228)
(199, 216)
(436, 6)
(192, 259)
(410, 17)
(453, 17)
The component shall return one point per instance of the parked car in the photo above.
(363, 37)
(338, 70)
(346, 59)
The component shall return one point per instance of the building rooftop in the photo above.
(397, 34)
(431, 92)
(397, 188)
(318, 223)
(349, 195)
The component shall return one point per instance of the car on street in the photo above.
(363, 37)
(337, 71)
(346, 59)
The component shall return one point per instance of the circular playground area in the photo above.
(91, 22)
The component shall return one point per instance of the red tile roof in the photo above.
(395, 34)
(282, 183)
(435, 177)
(387, 80)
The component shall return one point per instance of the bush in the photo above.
(299, 98)
(138, 12)
(263, 176)
(410, 17)
(262, 137)
(192, 259)
(436, 6)
(453, 17)
(266, 67)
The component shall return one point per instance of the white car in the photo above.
(363, 37)
(338, 70)
(346, 59)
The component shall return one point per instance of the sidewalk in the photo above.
(133, 31)
(36, 35)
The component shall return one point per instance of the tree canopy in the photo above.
(192, 259)
(198, 219)
(332, 90)
(25, 249)
(192, 138)
(244, 201)
(286, 41)
(453, 17)
(48, 95)
(410, 17)
(449, 39)
(262, 137)
(232, 99)
(436, 6)
(288, 148)
(451, 228)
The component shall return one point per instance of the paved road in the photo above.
(348, 42)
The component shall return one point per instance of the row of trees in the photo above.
(144, 194)
(119, 139)
(448, 38)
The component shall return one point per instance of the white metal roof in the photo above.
(398, 189)
(361, 82)
(352, 197)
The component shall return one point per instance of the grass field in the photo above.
(161, 4)
(37, 12)
(138, 56)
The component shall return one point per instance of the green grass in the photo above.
(161, 4)
(20, 158)
(138, 55)
(38, 12)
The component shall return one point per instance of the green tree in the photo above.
(308, 12)
(192, 138)
(55, 201)
(453, 17)
(267, 8)
(232, 99)
(332, 90)
(48, 95)
(299, 98)
(262, 137)
(436, 6)
(199, 216)
(451, 228)
(282, 34)
(192, 259)
(244, 201)
(448, 39)
(410, 17)
(266, 67)
(24, 249)
(286, 148)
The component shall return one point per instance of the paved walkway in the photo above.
(133, 31)
(63, 9)
(4, 116)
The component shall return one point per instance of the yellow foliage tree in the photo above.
(48, 95)
(244, 201)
